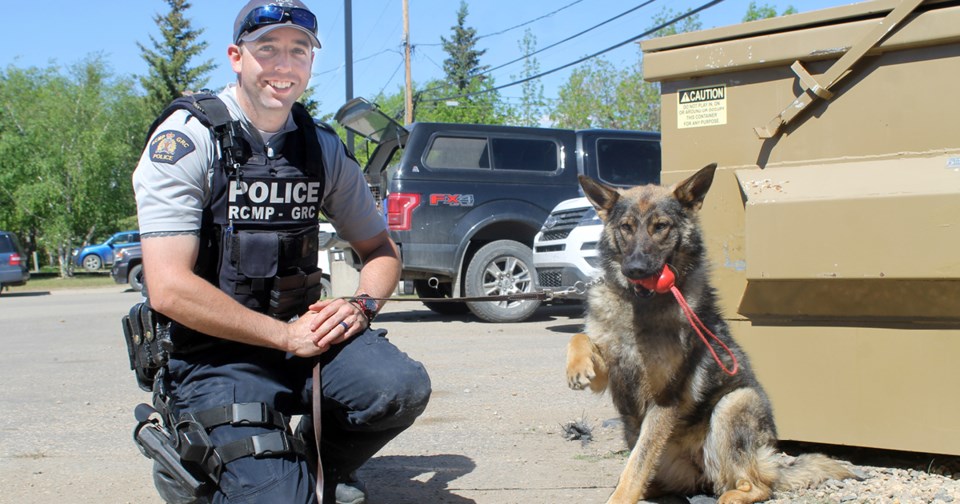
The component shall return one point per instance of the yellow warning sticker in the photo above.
(703, 106)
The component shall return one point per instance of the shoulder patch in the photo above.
(170, 146)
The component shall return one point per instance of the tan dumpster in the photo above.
(834, 221)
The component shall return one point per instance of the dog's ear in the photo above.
(690, 192)
(602, 197)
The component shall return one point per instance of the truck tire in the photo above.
(423, 290)
(326, 288)
(498, 268)
(135, 278)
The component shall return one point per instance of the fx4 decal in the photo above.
(451, 199)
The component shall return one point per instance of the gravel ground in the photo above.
(885, 477)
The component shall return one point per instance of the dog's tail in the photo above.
(810, 469)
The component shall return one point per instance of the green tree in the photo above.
(462, 65)
(68, 146)
(169, 71)
(755, 12)
(532, 103)
(599, 95)
(465, 95)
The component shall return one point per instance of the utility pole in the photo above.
(408, 95)
(348, 57)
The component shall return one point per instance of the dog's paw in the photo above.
(580, 373)
(585, 368)
(745, 493)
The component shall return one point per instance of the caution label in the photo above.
(703, 106)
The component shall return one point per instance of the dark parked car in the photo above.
(13, 263)
(94, 257)
(128, 267)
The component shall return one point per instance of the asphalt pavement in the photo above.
(493, 432)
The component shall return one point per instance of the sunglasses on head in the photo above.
(273, 14)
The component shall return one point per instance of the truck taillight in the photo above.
(14, 259)
(400, 210)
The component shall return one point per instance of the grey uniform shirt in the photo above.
(173, 177)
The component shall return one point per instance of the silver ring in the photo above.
(345, 326)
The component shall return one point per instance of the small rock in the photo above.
(942, 495)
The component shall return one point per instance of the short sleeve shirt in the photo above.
(173, 177)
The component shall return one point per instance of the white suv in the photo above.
(565, 249)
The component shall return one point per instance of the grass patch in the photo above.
(47, 281)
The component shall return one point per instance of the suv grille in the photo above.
(562, 222)
(550, 278)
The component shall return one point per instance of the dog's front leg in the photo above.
(585, 365)
(642, 465)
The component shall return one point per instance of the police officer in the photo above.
(225, 240)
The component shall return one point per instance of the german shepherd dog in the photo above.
(693, 427)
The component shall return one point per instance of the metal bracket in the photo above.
(814, 87)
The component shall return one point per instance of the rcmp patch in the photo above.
(170, 146)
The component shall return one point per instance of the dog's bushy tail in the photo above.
(810, 469)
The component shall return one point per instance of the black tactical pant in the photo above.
(371, 392)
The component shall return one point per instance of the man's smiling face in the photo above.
(274, 71)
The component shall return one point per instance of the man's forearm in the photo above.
(381, 266)
(197, 304)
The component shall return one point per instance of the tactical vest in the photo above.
(259, 235)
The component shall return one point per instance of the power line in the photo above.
(551, 46)
(571, 4)
(585, 58)
(614, 18)
(340, 67)
(395, 70)
(365, 58)
(501, 32)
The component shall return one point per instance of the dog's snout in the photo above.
(637, 267)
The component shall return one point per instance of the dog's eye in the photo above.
(626, 228)
(660, 226)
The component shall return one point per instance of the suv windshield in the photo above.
(628, 162)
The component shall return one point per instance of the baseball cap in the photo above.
(260, 17)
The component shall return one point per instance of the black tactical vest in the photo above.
(259, 235)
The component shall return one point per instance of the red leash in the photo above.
(666, 282)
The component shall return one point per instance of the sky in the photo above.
(66, 32)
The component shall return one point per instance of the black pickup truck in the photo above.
(464, 201)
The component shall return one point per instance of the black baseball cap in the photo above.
(260, 17)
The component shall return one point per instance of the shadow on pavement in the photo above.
(25, 294)
(401, 479)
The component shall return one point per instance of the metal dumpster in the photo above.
(834, 220)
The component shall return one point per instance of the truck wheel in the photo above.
(135, 277)
(498, 268)
(443, 290)
(326, 288)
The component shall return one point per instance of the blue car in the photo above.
(13, 264)
(94, 257)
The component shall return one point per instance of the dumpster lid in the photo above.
(833, 15)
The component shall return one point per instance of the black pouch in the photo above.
(147, 334)
(293, 292)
